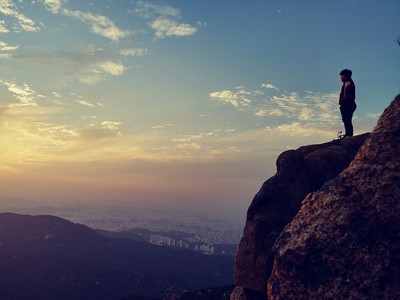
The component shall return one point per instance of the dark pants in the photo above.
(347, 111)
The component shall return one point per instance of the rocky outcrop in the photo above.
(323, 229)
(299, 172)
(345, 241)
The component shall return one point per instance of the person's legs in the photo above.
(347, 115)
(348, 126)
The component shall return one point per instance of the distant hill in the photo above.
(46, 257)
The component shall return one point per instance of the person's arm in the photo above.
(346, 96)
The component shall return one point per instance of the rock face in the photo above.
(345, 241)
(323, 229)
(299, 172)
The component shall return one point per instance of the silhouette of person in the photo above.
(347, 100)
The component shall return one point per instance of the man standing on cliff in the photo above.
(347, 100)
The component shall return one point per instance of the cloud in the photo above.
(88, 64)
(85, 103)
(164, 20)
(100, 71)
(308, 113)
(240, 97)
(26, 131)
(6, 47)
(295, 129)
(135, 52)
(203, 135)
(88, 117)
(111, 68)
(3, 28)
(56, 95)
(268, 112)
(161, 126)
(166, 28)
(150, 10)
(306, 107)
(192, 137)
(86, 137)
(98, 24)
(269, 86)
(53, 5)
(111, 125)
(374, 115)
(31, 137)
(235, 98)
(8, 8)
(189, 147)
(23, 93)
(310, 107)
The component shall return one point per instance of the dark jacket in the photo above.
(348, 95)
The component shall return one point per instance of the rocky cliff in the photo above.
(341, 239)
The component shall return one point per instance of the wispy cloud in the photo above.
(111, 68)
(203, 135)
(32, 137)
(100, 71)
(56, 95)
(193, 137)
(3, 28)
(150, 10)
(98, 24)
(6, 47)
(238, 98)
(53, 5)
(311, 107)
(161, 126)
(89, 65)
(25, 95)
(308, 107)
(35, 131)
(87, 137)
(167, 28)
(25, 127)
(111, 125)
(164, 20)
(269, 86)
(135, 52)
(84, 102)
(88, 117)
(23, 23)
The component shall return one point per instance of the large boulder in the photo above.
(345, 241)
(299, 172)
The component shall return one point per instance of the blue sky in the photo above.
(180, 102)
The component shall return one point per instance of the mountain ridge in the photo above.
(86, 265)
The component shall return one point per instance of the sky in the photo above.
(180, 103)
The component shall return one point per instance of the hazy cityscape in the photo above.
(193, 230)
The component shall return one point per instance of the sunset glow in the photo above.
(181, 102)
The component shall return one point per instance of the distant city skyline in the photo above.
(180, 103)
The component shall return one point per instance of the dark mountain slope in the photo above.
(71, 261)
